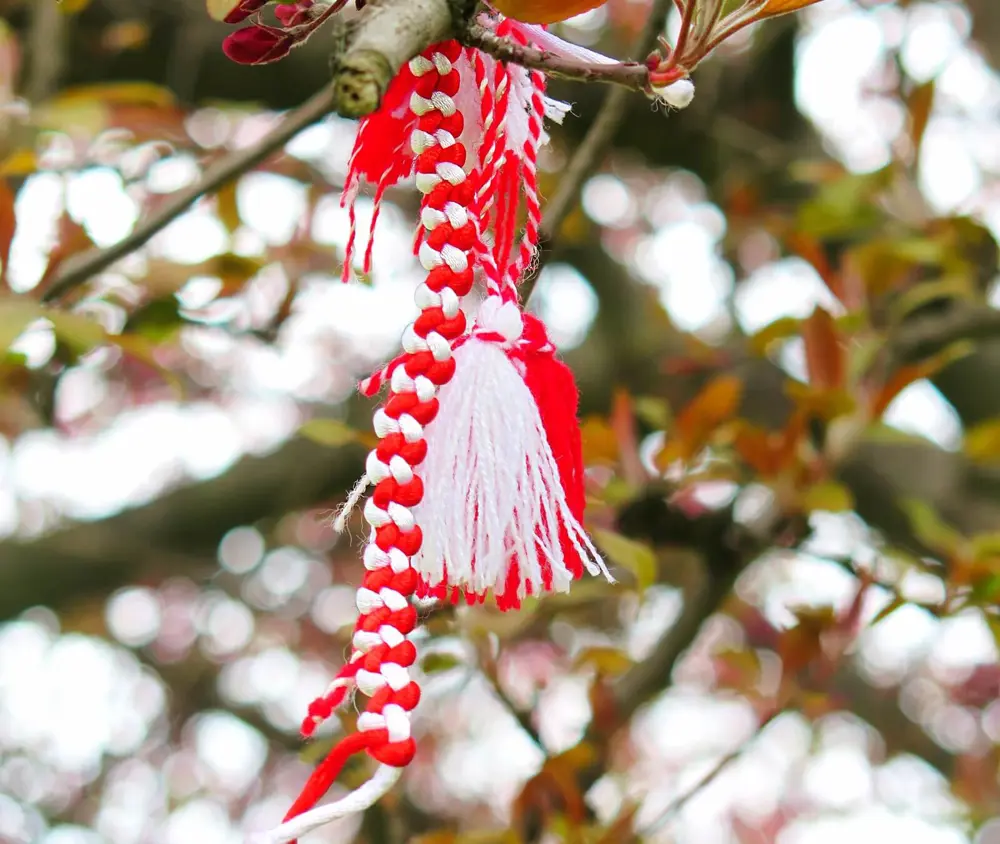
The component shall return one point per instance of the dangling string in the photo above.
(513, 108)
(381, 155)
(529, 162)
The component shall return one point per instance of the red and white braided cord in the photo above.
(382, 653)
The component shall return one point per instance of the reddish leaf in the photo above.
(810, 249)
(623, 424)
(826, 360)
(227, 207)
(906, 375)
(920, 105)
(8, 221)
(72, 238)
(293, 14)
(555, 790)
(769, 453)
(716, 403)
(773, 8)
(801, 644)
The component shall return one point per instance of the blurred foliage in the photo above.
(722, 457)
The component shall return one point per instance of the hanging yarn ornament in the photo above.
(478, 475)
(382, 653)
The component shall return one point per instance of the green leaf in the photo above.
(653, 411)
(986, 546)
(930, 529)
(16, 314)
(879, 432)
(920, 104)
(329, 432)
(845, 205)
(435, 663)
(982, 441)
(893, 605)
(780, 329)
(985, 590)
(80, 333)
(158, 320)
(830, 497)
(637, 557)
(949, 287)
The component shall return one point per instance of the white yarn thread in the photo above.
(358, 800)
(518, 108)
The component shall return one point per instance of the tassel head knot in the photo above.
(500, 318)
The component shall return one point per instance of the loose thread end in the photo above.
(344, 513)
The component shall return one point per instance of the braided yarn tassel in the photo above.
(478, 475)
(382, 653)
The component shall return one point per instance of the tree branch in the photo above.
(631, 75)
(727, 548)
(693, 791)
(925, 336)
(388, 36)
(46, 50)
(178, 532)
(391, 34)
(80, 268)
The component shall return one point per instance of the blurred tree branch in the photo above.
(45, 45)
(632, 76)
(183, 526)
(592, 149)
(80, 268)
(924, 336)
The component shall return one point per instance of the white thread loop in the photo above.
(395, 675)
(502, 317)
(358, 800)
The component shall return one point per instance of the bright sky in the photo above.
(63, 697)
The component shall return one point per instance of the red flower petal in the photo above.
(257, 45)
(292, 14)
(243, 10)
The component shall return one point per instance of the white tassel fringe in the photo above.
(491, 483)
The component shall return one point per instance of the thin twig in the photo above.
(523, 718)
(631, 75)
(685, 797)
(79, 269)
(46, 50)
(925, 336)
(590, 153)
(488, 669)
(646, 678)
